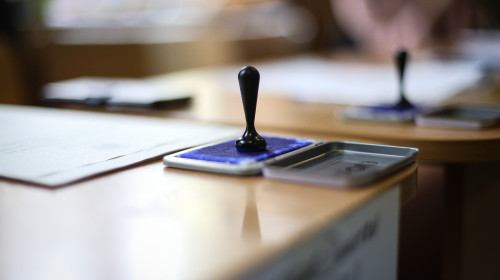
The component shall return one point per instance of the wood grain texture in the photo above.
(152, 222)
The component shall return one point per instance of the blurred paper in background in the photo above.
(316, 79)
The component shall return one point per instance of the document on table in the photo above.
(427, 82)
(315, 79)
(54, 147)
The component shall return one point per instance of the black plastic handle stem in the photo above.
(251, 141)
(401, 57)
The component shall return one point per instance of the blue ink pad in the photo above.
(227, 153)
(391, 113)
(224, 158)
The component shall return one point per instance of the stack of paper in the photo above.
(54, 147)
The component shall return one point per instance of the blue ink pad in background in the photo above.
(224, 158)
(385, 113)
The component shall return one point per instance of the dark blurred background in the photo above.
(51, 40)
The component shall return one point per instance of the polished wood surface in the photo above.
(435, 144)
(214, 103)
(451, 151)
(152, 222)
(445, 250)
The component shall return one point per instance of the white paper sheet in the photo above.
(316, 79)
(111, 91)
(54, 147)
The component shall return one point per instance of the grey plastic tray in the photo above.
(341, 164)
(461, 116)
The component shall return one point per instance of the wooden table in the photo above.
(152, 222)
(459, 179)
(458, 174)
(213, 103)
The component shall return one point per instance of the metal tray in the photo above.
(341, 164)
(461, 116)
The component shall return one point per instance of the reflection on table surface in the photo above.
(154, 222)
